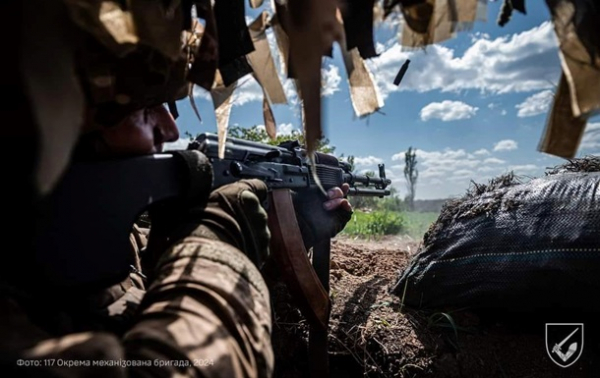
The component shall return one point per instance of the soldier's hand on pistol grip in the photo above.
(234, 215)
(319, 217)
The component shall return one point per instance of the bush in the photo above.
(392, 203)
(374, 224)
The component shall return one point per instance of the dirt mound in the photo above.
(372, 335)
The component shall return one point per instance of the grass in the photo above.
(374, 224)
(416, 224)
(381, 222)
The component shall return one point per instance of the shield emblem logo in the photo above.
(564, 342)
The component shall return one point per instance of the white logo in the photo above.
(564, 342)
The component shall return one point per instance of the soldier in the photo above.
(206, 313)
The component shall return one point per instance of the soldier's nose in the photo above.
(169, 130)
(166, 128)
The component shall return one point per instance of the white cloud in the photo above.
(179, 144)
(448, 111)
(521, 62)
(449, 172)
(493, 161)
(201, 93)
(330, 78)
(368, 160)
(523, 169)
(591, 137)
(479, 35)
(535, 104)
(282, 129)
(487, 169)
(506, 145)
(248, 89)
(503, 112)
(285, 129)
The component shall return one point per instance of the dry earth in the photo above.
(372, 335)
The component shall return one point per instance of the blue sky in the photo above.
(474, 106)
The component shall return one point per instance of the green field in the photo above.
(380, 222)
(417, 223)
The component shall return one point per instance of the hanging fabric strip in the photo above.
(416, 30)
(222, 101)
(447, 18)
(255, 3)
(363, 91)
(358, 26)
(206, 57)
(481, 14)
(234, 40)
(283, 43)
(563, 130)
(313, 27)
(262, 62)
(580, 54)
(269, 118)
(284, 29)
(466, 14)
(193, 103)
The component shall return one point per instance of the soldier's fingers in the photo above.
(334, 193)
(258, 187)
(346, 205)
(345, 188)
(333, 203)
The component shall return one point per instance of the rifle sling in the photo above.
(299, 275)
(290, 255)
(317, 338)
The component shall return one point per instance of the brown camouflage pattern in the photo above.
(206, 314)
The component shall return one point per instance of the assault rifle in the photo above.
(82, 232)
(284, 167)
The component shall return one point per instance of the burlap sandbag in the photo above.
(514, 246)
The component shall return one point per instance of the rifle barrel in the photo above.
(368, 192)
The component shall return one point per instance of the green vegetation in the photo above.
(259, 134)
(417, 224)
(376, 223)
(373, 217)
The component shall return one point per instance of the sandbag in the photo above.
(513, 246)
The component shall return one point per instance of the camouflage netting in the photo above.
(138, 53)
(517, 246)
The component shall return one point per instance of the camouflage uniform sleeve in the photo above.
(208, 309)
(206, 314)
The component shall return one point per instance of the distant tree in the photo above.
(411, 174)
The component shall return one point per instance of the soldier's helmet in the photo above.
(110, 56)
